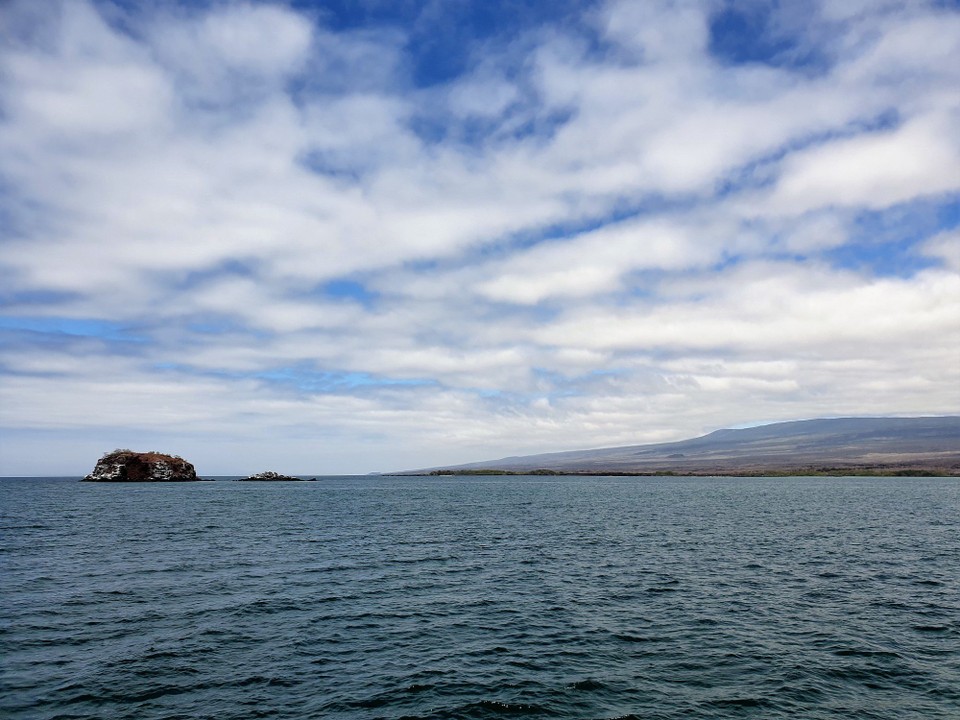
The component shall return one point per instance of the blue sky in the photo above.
(348, 237)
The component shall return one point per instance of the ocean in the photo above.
(481, 597)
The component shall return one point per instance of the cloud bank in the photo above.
(274, 237)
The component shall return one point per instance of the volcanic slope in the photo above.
(842, 445)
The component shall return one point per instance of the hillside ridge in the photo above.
(881, 445)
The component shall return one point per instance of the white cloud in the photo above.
(485, 97)
(561, 247)
(657, 31)
(876, 170)
(257, 38)
(230, 54)
(780, 310)
(595, 262)
(946, 247)
(816, 231)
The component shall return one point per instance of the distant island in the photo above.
(923, 446)
(270, 476)
(130, 466)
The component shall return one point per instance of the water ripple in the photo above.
(587, 598)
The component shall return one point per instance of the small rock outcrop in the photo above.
(271, 476)
(130, 466)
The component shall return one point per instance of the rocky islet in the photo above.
(130, 466)
(270, 476)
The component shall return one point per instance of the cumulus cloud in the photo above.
(627, 226)
(596, 262)
(919, 158)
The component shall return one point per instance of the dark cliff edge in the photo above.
(130, 466)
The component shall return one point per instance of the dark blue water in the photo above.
(481, 598)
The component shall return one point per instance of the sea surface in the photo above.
(504, 597)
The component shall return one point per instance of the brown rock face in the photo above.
(129, 466)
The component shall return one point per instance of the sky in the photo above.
(370, 235)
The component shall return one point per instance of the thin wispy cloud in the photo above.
(321, 239)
